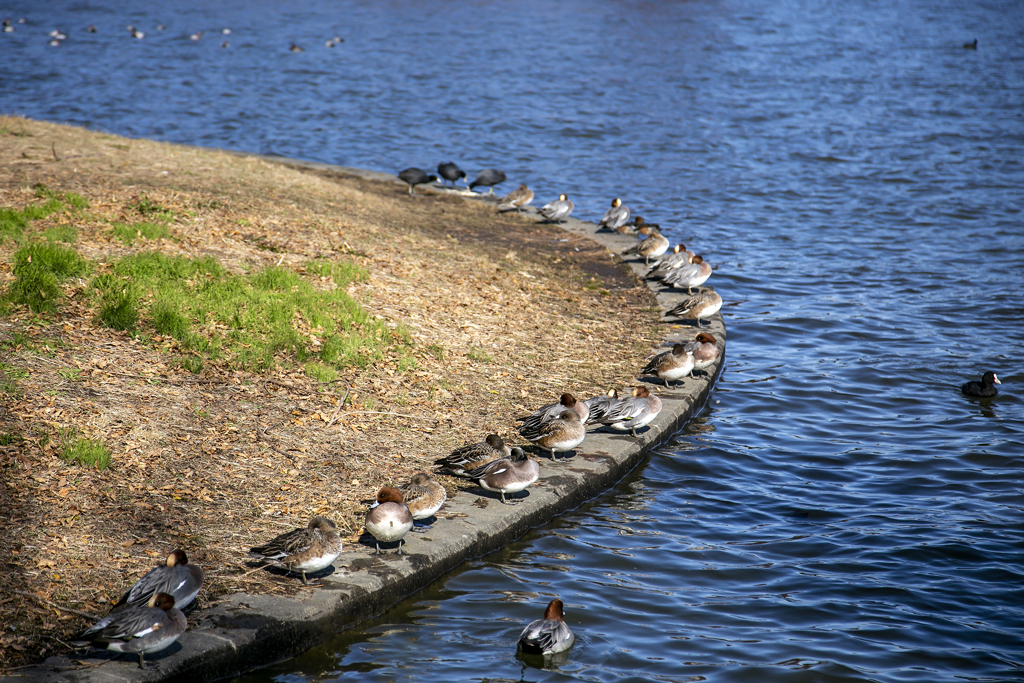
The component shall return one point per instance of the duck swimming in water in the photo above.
(983, 389)
(549, 635)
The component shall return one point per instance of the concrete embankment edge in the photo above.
(241, 632)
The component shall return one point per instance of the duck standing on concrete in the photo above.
(670, 366)
(423, 496)
(489, 177)
(450, 171)
(416, 176)
(633, 412)
(559, 435)
(390, 520)
(691, 275)
(474, 455)
(138, 630)
(558, 209)
(599, 405)
(704, 348)
(306, 551)
(176, 577)
(654, 245)
(507, 475)
(679, 257)
(983, 389)
(615, 217)
(698, 307)
(516, 199)
(549, 412)
(549, 635)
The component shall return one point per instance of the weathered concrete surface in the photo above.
(242, 632)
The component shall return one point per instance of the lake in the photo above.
(838, 511)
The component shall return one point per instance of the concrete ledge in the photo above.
(242, 632)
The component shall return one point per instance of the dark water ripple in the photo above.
(838, 512)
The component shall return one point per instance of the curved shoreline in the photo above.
(243, 631)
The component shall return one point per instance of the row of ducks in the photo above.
(57, 36)
(149, 617)
(680, 268)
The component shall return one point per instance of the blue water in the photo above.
(839, 511)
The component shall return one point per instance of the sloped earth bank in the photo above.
(490, 315)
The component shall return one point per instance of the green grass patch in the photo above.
(129, 232)
(9, 376)
(255, 321)
(320, 372)
(479, 355)
(147, 207)
(86, 452)
(39, 268)
(11, 438)
(61, 233)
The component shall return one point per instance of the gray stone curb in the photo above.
(242, 632)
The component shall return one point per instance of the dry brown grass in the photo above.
(502, 317)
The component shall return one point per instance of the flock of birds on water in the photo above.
(58, 36)
(148, 618)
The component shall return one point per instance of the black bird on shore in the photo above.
(983, 389)
(450, 171)
(489, 177)
(416, 176)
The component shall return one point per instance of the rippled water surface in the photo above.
(838, 511)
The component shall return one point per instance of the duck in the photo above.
(692, 275)
(225, 32)
(489, 177)
(416, 176)
(558, 209)
(507, 475)
(516, 199)
(983, 389)
(698, 307)
(307, 550)
(291, 48)
(633, 412)
(679, 257)
(175, 577)
(199, 34)
(560, 435)
(225, 44)
(390, 520)
(973, 45)
(549, 635)
(450, 171)
(637, 226)
(654, 245)
(8, 28)
(138, 630)
(423, 496)
(599, 405)
(704, 348)
(91, 28)
(58, 34)
(671, 365)
(549, 412)
(615, 217)
(474, 455)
